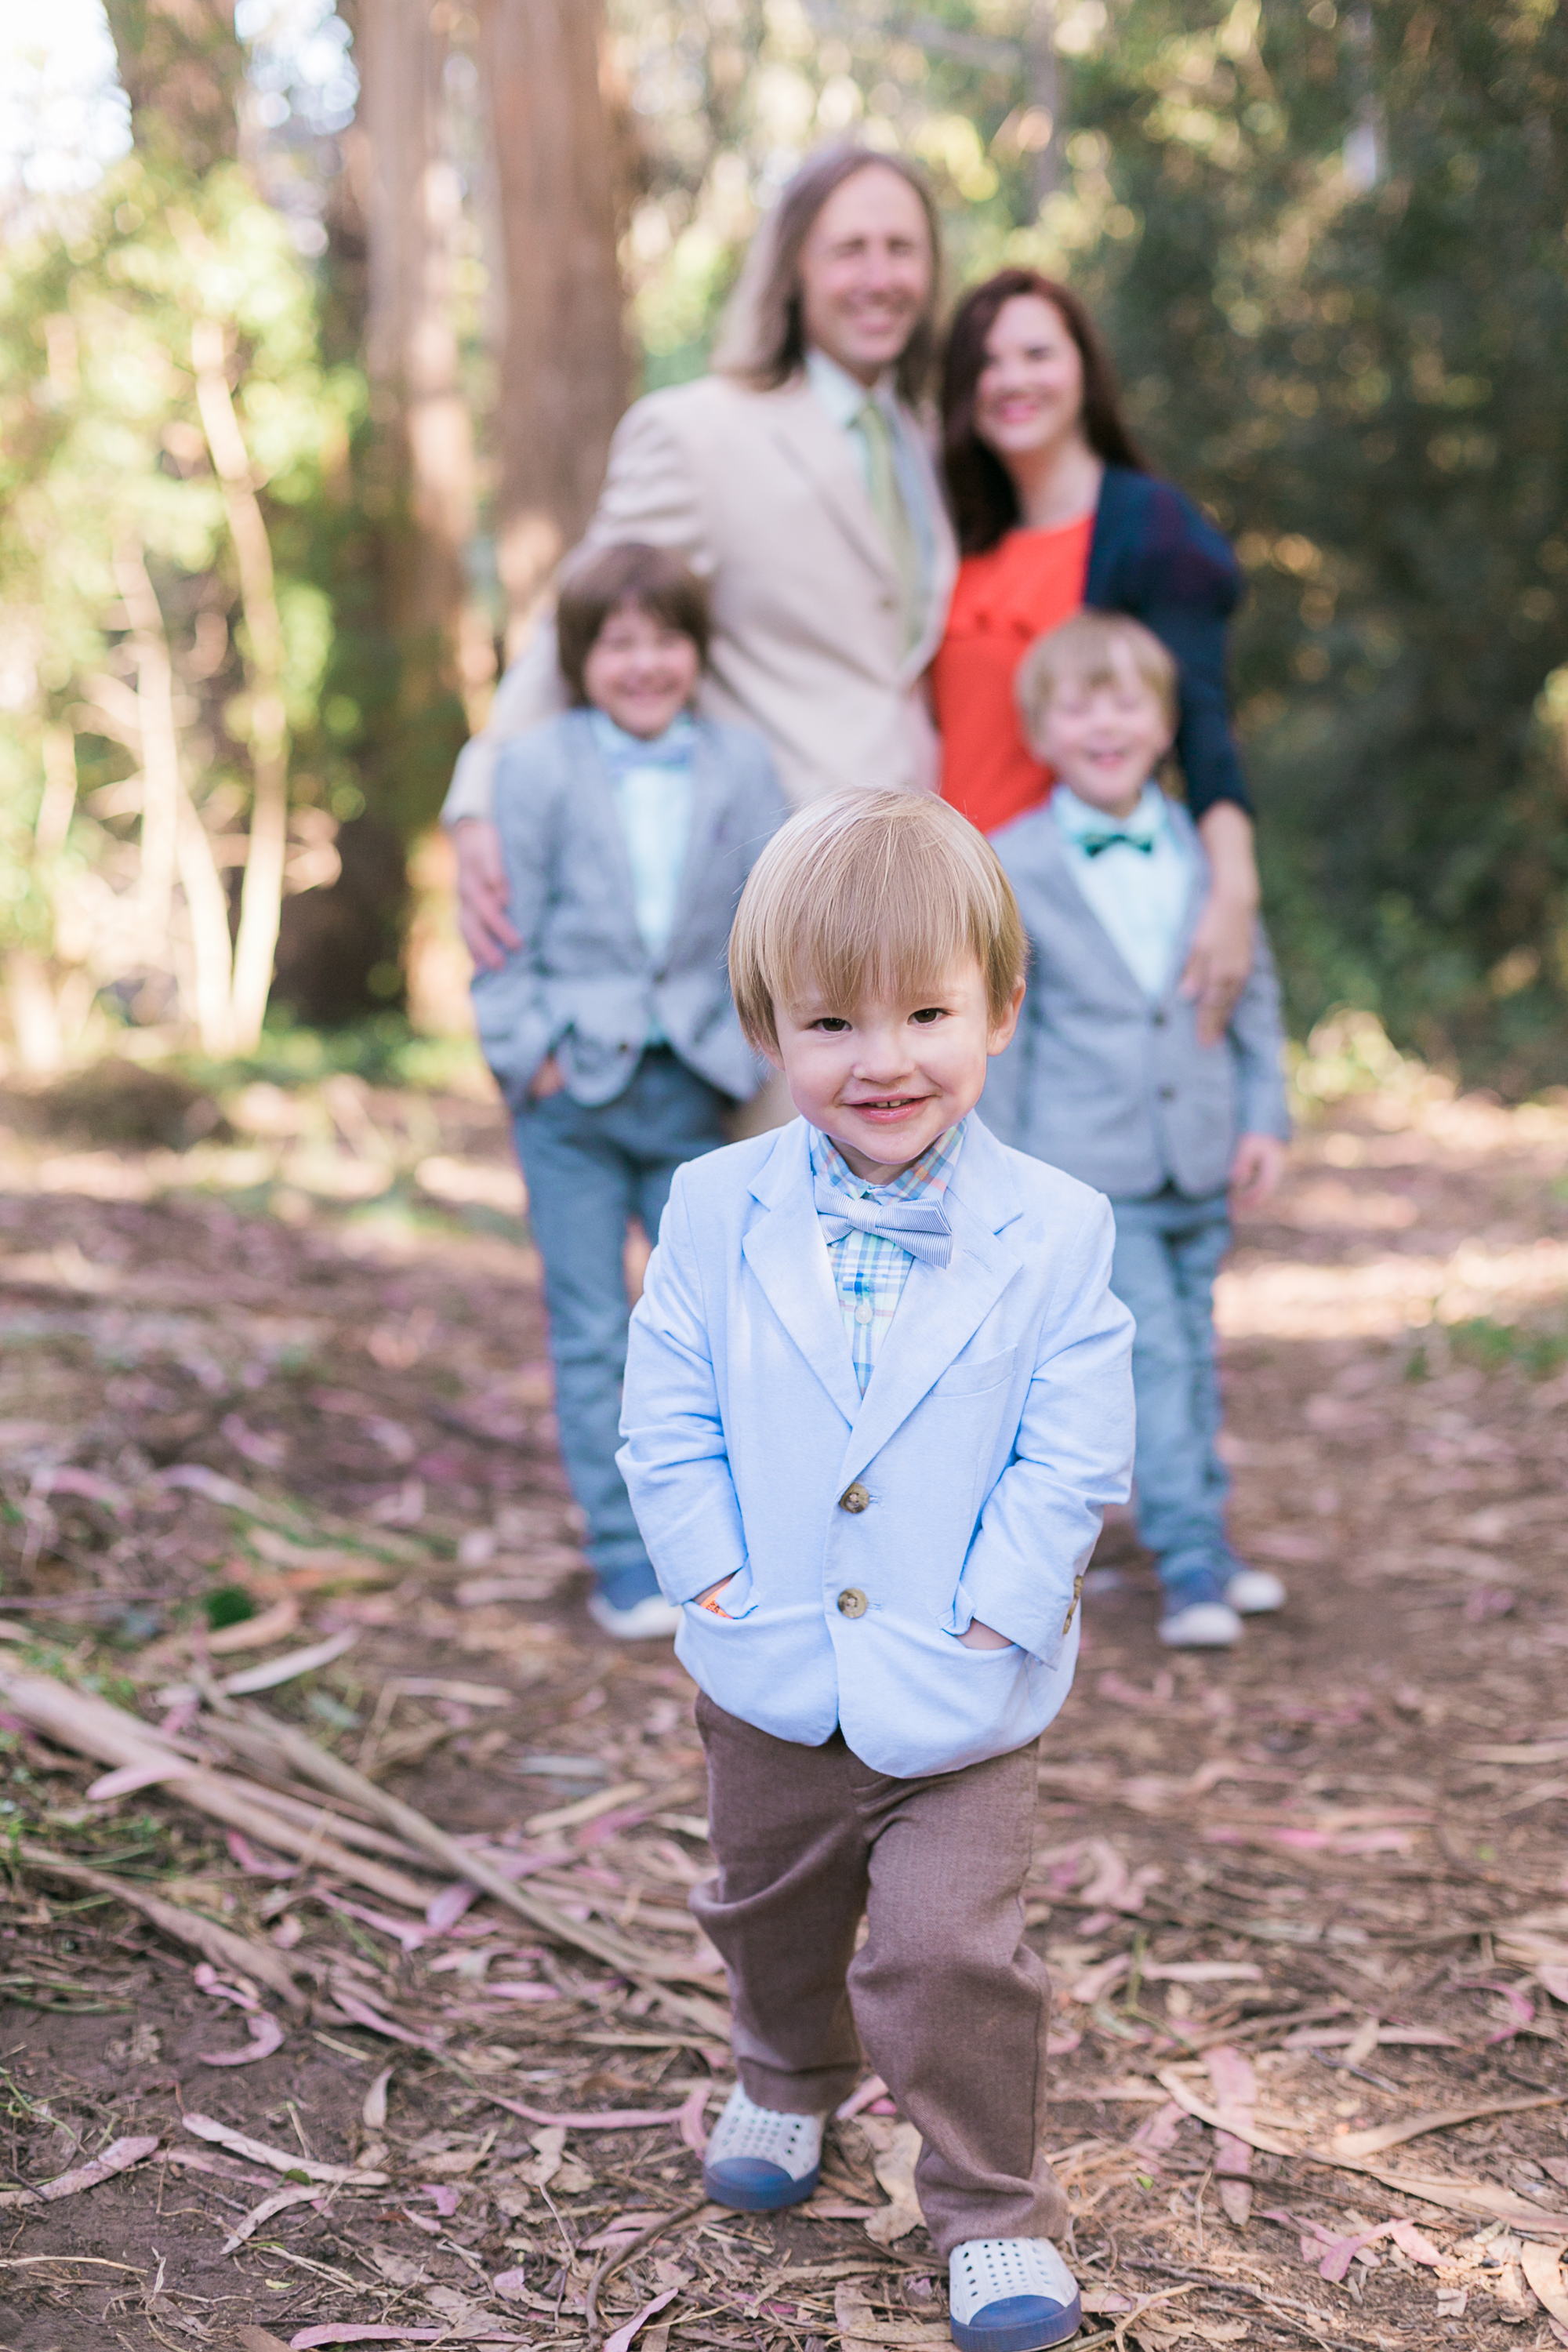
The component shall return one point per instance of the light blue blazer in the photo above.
(583, 985)
(996, 1428)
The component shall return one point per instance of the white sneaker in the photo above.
(1011, 2295)
(759, 2159)
(654, 1619)
(1201, 1625)
(1254, 1591)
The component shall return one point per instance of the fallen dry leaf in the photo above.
(1542, 2268)
(117, 2158)
(894, 2164)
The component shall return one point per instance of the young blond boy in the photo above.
(1109, 1079)
(877, 1402)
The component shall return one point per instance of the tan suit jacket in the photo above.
(760, 492)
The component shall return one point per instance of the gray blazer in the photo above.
(1100, 1080)
(583, 985)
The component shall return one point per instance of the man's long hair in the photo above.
(763, 341)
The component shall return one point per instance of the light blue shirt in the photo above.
(843, 397)
(651, 782)
(870, 1270)
(1139, 895)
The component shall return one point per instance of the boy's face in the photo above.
(885, 1079)
(1105, 738)
(640, 672)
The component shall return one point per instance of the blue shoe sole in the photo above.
(1020, 2322)
(749, 2184)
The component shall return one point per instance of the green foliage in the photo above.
(102, 450)
(1539, 1349)
(1362, 383)
(382, 1049)
(227, 1604)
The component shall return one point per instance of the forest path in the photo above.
(1316, 1886)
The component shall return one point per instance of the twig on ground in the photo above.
(617, 2259)
(214, 1943)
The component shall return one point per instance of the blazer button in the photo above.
(1160, 1020)
(1167, 1094)
(851, 1603)
(854, 1498)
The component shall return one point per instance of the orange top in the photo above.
(1030, 582)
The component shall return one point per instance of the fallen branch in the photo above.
(255, 1736)
(1469, 2197)
(204, 1936)
(92, 1727)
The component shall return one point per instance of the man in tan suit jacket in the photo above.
(798, 481)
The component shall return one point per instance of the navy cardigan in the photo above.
(1153, 555)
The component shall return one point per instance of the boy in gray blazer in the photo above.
(1105, 1078)
(628, 826)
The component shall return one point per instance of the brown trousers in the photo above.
(945, 1995)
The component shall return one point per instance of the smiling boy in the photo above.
(1110, 1075)
(877, 1402)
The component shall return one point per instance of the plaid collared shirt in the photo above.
(869, 1271)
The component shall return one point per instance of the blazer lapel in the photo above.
(1095, 945)
(784, 1250)
(598, 804)
(944, 552)
(816, 448)
(943, 1307)
(708, 797)
(1186, 834)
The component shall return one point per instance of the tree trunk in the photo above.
(152, 729)
(1046, 97)
(411, 199)
(262, 892)
(182, 68)
(563, 365)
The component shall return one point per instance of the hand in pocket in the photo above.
(984, 1637)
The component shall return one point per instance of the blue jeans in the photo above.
(1168, 1251)
(590, 1169)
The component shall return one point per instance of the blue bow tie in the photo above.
(1094, 845)
(622, 752)
(919, 1226)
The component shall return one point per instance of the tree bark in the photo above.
(411, 200)
(182, 68)
(564, 364)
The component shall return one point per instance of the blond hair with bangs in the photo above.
(870, 896)
(1084, 652)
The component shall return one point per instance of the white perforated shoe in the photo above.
(1254, 1591)
(1201, 1625)
(652, 1619)
(1011, 2295)
(759, 2159)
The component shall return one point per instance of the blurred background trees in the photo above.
(302, 394)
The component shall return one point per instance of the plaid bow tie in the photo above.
(919, 1226)
(1094, 845)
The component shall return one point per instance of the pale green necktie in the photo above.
(892, 515)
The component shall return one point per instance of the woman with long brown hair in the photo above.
(1056, 510)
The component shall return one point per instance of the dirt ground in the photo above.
(1315, 1890)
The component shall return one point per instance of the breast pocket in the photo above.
(973, 1375)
